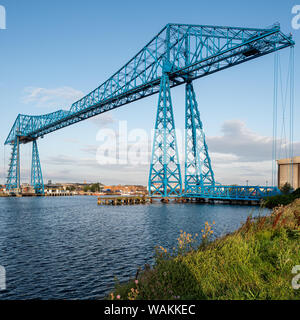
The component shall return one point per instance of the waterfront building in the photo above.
(289, 172)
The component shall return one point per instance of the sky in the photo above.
(54, 52)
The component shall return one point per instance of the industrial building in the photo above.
(289, 171)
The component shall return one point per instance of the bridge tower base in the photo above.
(165, 176)
(13, 178)
(198, 169)
(36, 170)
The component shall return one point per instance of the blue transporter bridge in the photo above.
(177, 55)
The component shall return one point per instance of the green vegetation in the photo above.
(95, 187)
(286, 188)
(255, 262)
(283, 199)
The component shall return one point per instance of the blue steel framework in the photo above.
(198, 170)
(183, 52)
(165, 175)
(221, 192)
(36, 170)
(13, 179)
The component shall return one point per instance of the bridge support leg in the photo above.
(36, 170)
(198, 170)
(13, 178)
(165, 176)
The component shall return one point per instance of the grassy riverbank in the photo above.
(255, 262)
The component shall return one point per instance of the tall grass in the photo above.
(255, 262)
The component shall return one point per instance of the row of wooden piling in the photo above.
(117, 201)
(134, 200)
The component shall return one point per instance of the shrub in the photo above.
(281, 199)
(286, 188)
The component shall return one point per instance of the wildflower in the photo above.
(136, 281)
(118, 297)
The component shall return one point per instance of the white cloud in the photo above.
(240, 154)
(103, 120)
(237, 155)
(245, 144)
(58, 97)
(64, 168)
(221, 157)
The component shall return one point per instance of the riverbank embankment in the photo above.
(254, 262)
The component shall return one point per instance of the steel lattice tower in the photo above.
(36, 171)
(165, 176)
(13, 178)
(198, 170)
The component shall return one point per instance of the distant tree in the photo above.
(86, 188)
(93, 188)
(286, 188)
(96, 187)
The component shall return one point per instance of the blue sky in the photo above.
(67, 48)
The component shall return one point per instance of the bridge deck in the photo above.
(250, 193)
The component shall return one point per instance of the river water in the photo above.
(71, 248)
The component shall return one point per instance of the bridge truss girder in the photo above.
(208, 49)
